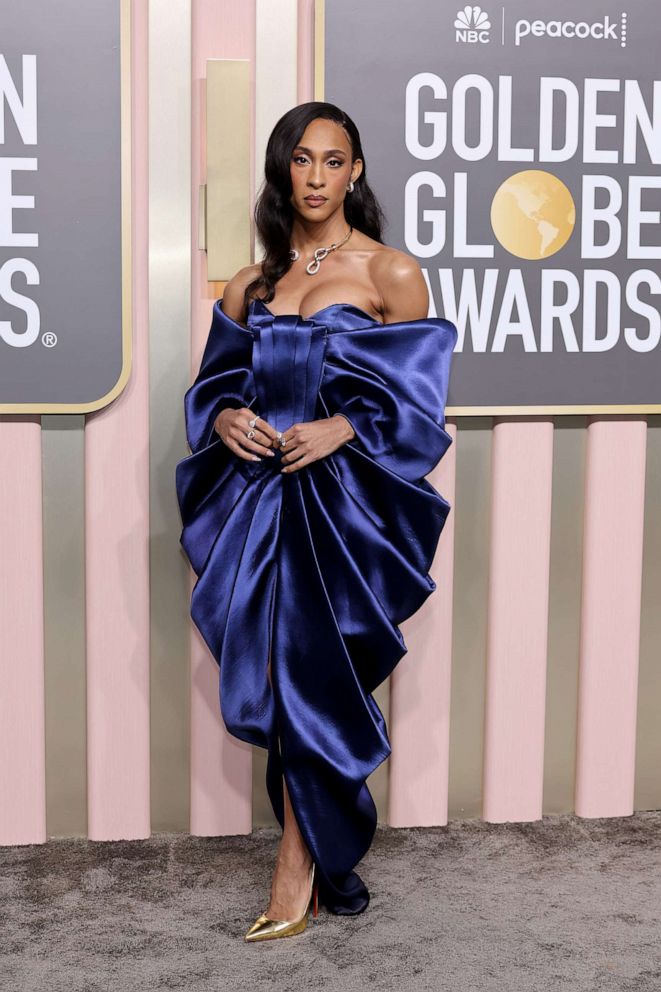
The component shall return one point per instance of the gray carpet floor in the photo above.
(560, 904)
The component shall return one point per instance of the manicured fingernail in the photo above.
(256, 458)
(270, 453)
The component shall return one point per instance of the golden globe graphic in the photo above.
(533, 214)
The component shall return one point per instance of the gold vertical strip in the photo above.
(564, 614)
(63, 473)
(170, 247)
(228, 172)
(469, 621)
(647, 786)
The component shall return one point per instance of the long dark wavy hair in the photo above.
(274, 214)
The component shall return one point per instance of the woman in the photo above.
(315, 417)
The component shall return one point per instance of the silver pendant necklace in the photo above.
(319, 254)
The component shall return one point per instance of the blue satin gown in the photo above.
(316, 568)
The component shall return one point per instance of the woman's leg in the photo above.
(289, 888)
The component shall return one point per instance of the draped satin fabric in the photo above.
(316, 568)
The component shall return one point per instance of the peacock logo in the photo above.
(472, 25)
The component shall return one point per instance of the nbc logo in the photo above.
(472, 25)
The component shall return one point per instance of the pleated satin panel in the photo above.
(316, 567)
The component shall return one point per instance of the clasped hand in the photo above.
(307, 442)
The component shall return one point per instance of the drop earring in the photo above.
(350, 186)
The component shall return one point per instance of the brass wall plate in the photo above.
(225, 222)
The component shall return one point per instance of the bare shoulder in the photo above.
(401, 285)
(234, 292)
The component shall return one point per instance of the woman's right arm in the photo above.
(233, 294)
(232, 422)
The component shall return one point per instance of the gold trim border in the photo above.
(126, 246)
(514, 411)
(467, 411)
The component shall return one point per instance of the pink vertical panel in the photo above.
(22, 709)
(420, 686)
(117, 540)
(610, 618)
(221, 765)
(522, 466)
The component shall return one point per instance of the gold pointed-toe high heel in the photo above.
(264, 928)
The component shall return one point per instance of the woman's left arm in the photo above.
(402, 286)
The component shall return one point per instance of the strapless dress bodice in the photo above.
(292, 353)
(334, 316)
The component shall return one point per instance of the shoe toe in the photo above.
(257, 926)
